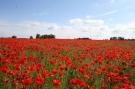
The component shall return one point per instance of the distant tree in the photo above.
(31, 37)
(113, 38)
(117, 38)
(51, 36)
(84, 38)
(37, 36)
(130, 39)
(14, 36)
(121, 38)
(45, 36)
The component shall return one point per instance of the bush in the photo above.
(37, 36)
(14, 36)
(117, 38)
(46, 36)
(31, 37)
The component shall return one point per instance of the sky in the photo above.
(96, 19)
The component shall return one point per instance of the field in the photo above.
(66, 64)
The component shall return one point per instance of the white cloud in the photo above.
(125, 30)
(90, 27)
(93, 28)
(112, 1)
(109, 13)
(90, 16)
(85, 22)
(40, 14)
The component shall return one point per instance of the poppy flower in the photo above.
(56, 82)
(27, 81)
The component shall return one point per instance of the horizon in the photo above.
(68, 19)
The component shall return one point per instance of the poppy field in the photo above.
(66, 64)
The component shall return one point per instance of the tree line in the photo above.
(45, 36)
(52, 36)
(38, 36)
(119, 38)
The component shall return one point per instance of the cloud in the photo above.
(85, 22)
(77, 27)
(109, 13)
(90, 27)
(124, 30)
(28, 28)
(112, 1)
(40, 14)
(90, 16)
(98, 29)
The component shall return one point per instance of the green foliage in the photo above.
(45, 36)
(31, 37)
(14, 36)
(37, 36)
(117, 38)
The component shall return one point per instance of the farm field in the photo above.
(66, 64)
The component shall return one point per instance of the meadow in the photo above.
(66, 64)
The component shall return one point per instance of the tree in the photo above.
(117, 38)
(46, 36)
(31, 37)
(113, 38)
(14, 36)
(37, 36)
(121, 38)
(84, 38)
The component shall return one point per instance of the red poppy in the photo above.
(56, 82)
(27, 81)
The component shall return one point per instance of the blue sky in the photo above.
(28, 17)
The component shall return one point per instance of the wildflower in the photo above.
(56, 82)
(27, 81)
(40, 80)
